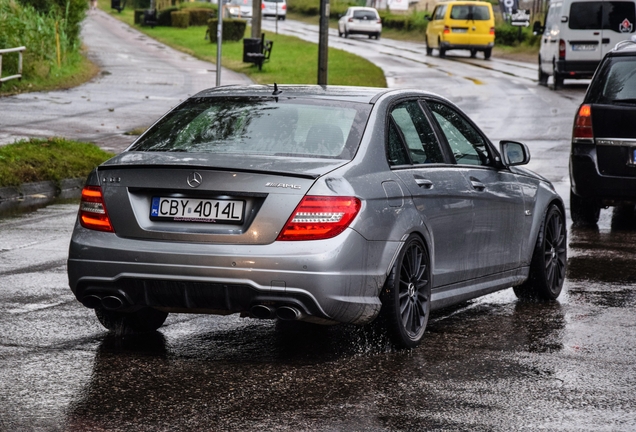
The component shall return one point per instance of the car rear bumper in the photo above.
(577, 69)
(587, 182)
(466, 46)
(335, 280)
(366, 30)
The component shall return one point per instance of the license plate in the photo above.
(583, 47)
(459, 30)
(196, 210)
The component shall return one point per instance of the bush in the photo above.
(180, 19)
(164, 16)
(139, 16)
(70, 13)
(200, 17)
(233, 29)
(506, 34)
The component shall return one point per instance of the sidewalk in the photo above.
(140, 80)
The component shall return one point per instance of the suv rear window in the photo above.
(616, 15)
(615, 82)
(265, 126)
(470, 12)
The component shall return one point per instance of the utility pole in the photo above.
(256, 19)
(219, 42)
(323, 43)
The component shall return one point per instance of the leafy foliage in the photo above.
(69, 13)
(233, 29)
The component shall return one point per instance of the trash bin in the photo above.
(150, 17)
(116, 4)
(251, 46)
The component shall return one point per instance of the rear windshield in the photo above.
(615, 82)
(616, 16)
(365, 15)
(313, 128)
(470, 12)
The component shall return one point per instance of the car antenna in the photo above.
(276, 91)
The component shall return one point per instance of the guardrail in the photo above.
(10, 50)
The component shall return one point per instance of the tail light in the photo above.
(379, 21)
(92, 212)
(262, 5)
(561, 49)
(446, 29)
(350, 20)
(320, 217)
(583, 124)
(492, 30)
(284, 7)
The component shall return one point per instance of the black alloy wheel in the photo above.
(549, 260)
(406, 297)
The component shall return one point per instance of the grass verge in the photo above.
(293, 61)
(52, 159)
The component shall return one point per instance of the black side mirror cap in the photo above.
(537, 28)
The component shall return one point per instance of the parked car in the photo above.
(321, 204)
(274, 8)
(239, 9)
(360, 20)
(578, 33)
(463, 25)
(603, 156)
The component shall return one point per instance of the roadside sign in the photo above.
(520, 18)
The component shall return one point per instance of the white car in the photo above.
(360, 20)
(274, 8)
(239, 9)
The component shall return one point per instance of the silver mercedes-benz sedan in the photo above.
(321, 204)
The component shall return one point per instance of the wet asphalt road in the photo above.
(493, 364)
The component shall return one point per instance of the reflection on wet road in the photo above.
(494, 364)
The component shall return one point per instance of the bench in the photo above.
(257, 51)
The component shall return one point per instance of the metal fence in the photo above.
(11, 50)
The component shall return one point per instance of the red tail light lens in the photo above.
(350, 20)
(379, 21)
(262, 5)
(320, 217)
(284, 7)
(92, 212)
(561, 49)
(492, 30)
(446, 30)
(583, 123)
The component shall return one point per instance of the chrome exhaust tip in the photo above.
(261, 311)
(112, 302)
(288, 313)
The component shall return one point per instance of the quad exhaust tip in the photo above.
(288, 313)
(262, 311)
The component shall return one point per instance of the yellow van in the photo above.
(468, 25)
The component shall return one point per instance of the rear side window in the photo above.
(616, 16)
(260, 126)
(439, 13)
(365, 15)
(615, 82)
(470, 12)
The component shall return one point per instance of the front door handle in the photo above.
(425, 183)
(476, 184)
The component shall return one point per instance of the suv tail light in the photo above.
(92, 212)
(492, 30)
(561, 49)
(320, 217)
(446, 29)
(583, 124)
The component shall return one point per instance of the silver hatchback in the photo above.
(321, 204)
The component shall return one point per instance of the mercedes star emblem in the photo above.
(194, 179)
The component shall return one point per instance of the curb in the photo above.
(36, 195)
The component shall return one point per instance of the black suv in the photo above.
(603, 156)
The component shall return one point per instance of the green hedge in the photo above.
(233, 29)
(180, 19)
(200, 17)
(164, 17)
(506, 34)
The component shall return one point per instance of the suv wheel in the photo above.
(543, 77)
(487, 53)
(557, 77)
(583, 211)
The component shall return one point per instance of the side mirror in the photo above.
(514, 153)
(537, 28)
(428, 17)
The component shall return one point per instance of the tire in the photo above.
(557, 77)
(340, 33)
(371, 36)
(377, 36)
(487, 53)
(543, 77)
(145, 320)
(406, 295)
(346, 33)
(429, 50)
(442, 52)
(582, 211)
(549, 260)
(473, 53)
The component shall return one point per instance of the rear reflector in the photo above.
(92, 212)
(561, 49)
(320, 217)
(583, 124)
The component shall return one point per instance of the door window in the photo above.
(617, 16)
(467, 144)
(439, 12)
(411, 132)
